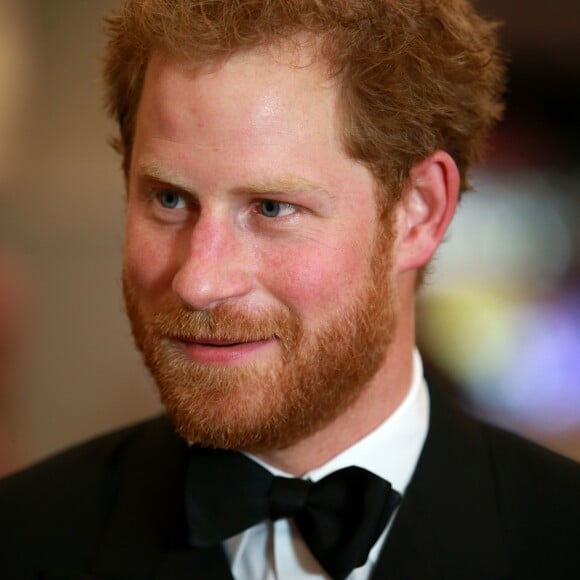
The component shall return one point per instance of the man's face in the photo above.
(257, 277)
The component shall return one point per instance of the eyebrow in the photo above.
(283, 185)
(152, 170)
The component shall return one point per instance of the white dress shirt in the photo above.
(276, 551)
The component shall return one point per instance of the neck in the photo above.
(378, 401)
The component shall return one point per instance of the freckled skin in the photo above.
(257, 119)
(252, 126)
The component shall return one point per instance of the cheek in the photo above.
(147, 259)
(318, 278)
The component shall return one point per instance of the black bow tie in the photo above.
(340, 517)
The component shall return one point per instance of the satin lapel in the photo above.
(447, 526)
(147, 535)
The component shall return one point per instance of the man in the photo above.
(291, 167)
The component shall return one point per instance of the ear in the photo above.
(425, 210)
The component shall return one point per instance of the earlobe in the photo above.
(425, 211)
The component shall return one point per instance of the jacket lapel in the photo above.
(146, 538)
(148, 532)
(448, 525)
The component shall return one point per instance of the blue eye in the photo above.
(274, 209)
(270, 208)
(170, 200)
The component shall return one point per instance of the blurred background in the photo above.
(499, 318)
(61, 221)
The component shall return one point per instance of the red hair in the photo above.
(415, 75)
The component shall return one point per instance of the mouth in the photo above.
(205, 350)
(220, 343)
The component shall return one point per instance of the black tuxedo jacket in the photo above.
(482, 504)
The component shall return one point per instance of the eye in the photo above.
(170, 199)
(273, 209)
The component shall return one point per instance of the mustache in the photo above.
(226, 323)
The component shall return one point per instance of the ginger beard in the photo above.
(274, 403)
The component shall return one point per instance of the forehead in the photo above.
(258, 116)
(271, 91)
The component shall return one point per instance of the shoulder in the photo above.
(538, 486)
(537, 494)
(513, 496)
(62, 503)
(522, 458)
(513, 462)
(70, 471)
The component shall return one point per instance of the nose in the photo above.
(214, 269)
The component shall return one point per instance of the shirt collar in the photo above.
(390, 451)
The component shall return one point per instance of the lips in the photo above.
(214, 343)
(224, 351)
(221, 342)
